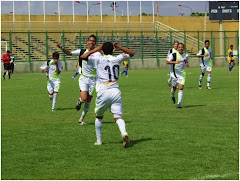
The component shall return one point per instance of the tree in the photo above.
(198, 14)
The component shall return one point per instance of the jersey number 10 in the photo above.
(114, 70)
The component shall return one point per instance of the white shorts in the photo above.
(110, 98)
(53, 86)
(206, 68)
(178, 80)
(87, 84)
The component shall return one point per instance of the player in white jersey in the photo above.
(53, 68)
(173, 50)
(108, 93)
(206, 64)
(87, 79)
(178, 61)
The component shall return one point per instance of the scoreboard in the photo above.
(223, 10)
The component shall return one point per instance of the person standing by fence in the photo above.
(6, 58)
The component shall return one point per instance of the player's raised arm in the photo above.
(64, 50)
(170, 59)
(86, 55)
(124, 49)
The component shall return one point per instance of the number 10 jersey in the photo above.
(107, 68)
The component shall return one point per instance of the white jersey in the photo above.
(178, 69)
(52, 73)
(205, 61)
(173, 50)
(107, 68)
(87, 69)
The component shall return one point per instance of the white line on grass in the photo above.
(215, 176)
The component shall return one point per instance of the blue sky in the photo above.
(166, 8)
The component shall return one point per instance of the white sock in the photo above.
(208, 80)
(170, 79)
(98, 128)
(50, 96)
(173, 92)
(85, 110)
(200, 80)
(54, 101)
(180, 96)
(121, 125)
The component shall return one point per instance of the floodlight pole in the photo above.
(221, 37)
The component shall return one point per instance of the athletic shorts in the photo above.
(109, 98)
(53, 86)
(205, 68)
(87, 84)
(178, 80)
(7, 66)
(230, 59)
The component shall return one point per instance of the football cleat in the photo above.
(200, 87)
(209, 88)
(126, 141)
(98, 143)
(173, 100)
(179, 106)
(81, 122)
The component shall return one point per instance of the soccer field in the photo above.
(199, 141)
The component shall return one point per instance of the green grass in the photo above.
(199, 141)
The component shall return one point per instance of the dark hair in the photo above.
(93, 37)
(55, 55)
(107, 48)
(8, 51)
(175, 42)
(206, 41)
(181, 44)
(231, 45)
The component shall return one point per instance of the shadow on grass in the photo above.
(67, 108)
(197, 105)
(113, 122)
(134, 142)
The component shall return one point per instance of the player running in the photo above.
(87, 79)
(178, 60)
(125, 64)
(231, 59)
(206, 64)
(108, 93)
(53, 68)
(173, 50)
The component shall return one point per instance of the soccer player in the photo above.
(108, 93)
(125, 64)
(178, 61)
(87, 79)
(12, 62)
(205, 64)
(231, 59)
(53, 68)
(6, 58)
(173, 50)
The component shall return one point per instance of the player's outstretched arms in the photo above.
(64, 50)
(86, 55)
(124, 49)
(173, 62)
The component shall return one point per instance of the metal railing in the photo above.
(28, 46)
